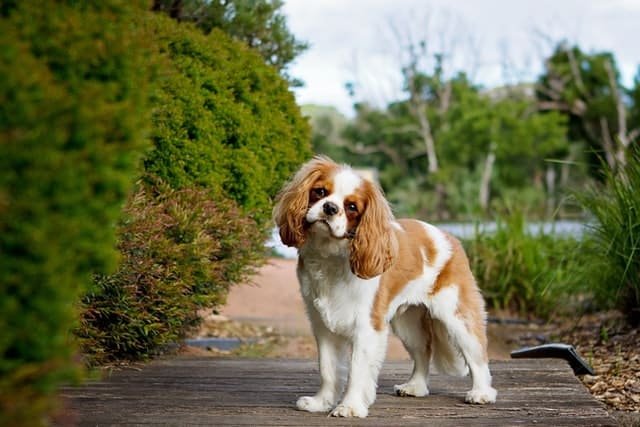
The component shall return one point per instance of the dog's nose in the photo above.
(330, 208)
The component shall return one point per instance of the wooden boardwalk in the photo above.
(219, 392)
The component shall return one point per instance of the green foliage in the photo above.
(523, 272)
(181, 252)
(226, 134)
(73, 112)
(327, 125)
(473, 125)
(225, 121)
(611, 251)
(259, 24)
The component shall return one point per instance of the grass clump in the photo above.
(520, 271)
(610, 254)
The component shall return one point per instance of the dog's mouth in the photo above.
(348, 235)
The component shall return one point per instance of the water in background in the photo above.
(462, 230)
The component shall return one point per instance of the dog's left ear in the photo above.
(374, 247)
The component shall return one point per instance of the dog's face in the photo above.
(328, 199)
(336, 203)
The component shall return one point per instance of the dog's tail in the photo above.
(445, 356)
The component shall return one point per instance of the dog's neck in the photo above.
(319, 243)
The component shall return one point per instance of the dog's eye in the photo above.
(352, 207)
(320, 192)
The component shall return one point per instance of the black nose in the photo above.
(330, 208)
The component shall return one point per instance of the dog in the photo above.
(362, 271)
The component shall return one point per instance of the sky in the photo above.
(494, 41)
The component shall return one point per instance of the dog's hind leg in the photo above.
(472, 343)
(413, 327)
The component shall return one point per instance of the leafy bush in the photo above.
(73, 111)
(521, 272)
(226, 134)
(225, 121)
(180, 253)
(610, 256)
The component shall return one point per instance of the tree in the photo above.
(587, 88)
(260, 24)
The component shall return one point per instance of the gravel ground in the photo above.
(612, 347)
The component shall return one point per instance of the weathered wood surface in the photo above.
(218, 392)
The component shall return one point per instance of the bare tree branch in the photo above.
(621, 112)
(607, 143)
(575, 72)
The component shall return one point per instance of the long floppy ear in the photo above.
(375, 246)
(292, 202)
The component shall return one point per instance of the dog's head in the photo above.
(332, 200)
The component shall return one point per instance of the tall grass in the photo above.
(521, 272)
(610, 269)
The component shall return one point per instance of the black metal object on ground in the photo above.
(555, 351)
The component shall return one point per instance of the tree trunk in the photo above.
(550, 178)
(485, 182)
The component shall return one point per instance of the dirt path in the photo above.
(273, 299)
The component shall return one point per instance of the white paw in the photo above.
(482, 396)
(313, 404)
(346, 410)
(411, 389)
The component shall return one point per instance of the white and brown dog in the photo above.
(361, 270)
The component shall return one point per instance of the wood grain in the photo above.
(221, 392)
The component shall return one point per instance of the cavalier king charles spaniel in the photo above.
(361, 271)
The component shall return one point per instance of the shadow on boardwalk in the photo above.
(209, 391)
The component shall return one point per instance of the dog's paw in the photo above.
(313, 404)
(482, 396)
(411, 389)
(348, 410)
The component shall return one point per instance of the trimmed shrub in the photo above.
(521, 272)
(226, 133)
(180, 253)
(73, 111)
(610, 255)
(224, 121)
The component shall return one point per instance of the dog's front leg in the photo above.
(369, 350)
(331, 353)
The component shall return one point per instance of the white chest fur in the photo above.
(333, 294)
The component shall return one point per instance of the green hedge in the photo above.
(73, 112)
(226, 133)
(224, 120)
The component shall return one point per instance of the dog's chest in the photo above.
(340, 299)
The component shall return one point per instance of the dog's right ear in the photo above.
(292, 202)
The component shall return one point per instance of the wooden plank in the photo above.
(263, 392)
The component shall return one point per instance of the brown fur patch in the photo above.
(457, 272)
(293, 201)
(374, 247)
(412, 242)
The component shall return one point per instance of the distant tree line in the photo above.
(451, 149)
